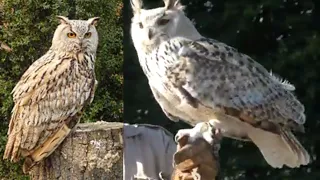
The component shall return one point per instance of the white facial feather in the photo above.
(76, 35)
(151, 27)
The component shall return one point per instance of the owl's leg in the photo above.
(201, 130)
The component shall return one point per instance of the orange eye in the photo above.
(71, 35)
(87, 35)
(162, 22)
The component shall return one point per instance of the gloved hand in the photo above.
(195, 160)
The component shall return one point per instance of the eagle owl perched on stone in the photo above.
(198, 79)
(51, 94)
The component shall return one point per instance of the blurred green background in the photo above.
(282, 35)
(28, 26)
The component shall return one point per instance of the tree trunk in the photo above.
(92, 152)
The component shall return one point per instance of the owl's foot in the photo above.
(201, 130)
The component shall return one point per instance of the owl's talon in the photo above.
(181, 133)
(200, 130)
(217, 134)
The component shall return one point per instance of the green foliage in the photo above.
(107, 104)
(28, 26)
(281, 35)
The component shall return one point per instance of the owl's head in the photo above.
(149, 27)
(76, 35)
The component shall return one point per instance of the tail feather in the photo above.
(280, 149)
(9, 148)
(46, 149)
(12, 148)
(294, 144)
(14, 137)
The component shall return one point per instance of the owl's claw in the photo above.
(201, 130)
(181, 133)
(217, 134)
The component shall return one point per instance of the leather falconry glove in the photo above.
(196, 160)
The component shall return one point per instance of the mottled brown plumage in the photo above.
(51, 94)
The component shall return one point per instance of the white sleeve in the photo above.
(148, 150)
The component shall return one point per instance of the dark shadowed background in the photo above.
(282, 35)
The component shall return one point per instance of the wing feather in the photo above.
(219, 76)
(49, 92)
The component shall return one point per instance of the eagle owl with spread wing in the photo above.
(197, 80)
(52, 93)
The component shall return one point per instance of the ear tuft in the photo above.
(173, 5)
(93, 21)
(136, 6)
(63, 19)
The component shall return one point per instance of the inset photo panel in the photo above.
(61, 104)
(220, 89)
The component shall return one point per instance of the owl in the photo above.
(201, 80)
(52, 93)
